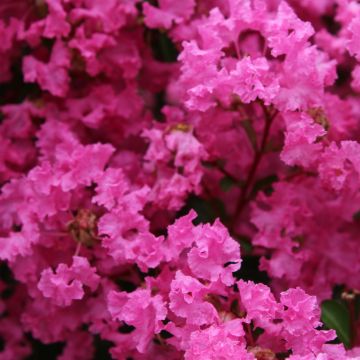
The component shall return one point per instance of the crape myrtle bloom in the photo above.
(180, 179)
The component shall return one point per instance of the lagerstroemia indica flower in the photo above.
(180, 179)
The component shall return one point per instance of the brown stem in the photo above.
(249, 335)
(244, 195)
(224, 171)
(77, 250)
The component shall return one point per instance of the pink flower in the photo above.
(169, 11)
(141, 310)
(301, 140)
(123, 123)
(259, 303)
(215, 343)
(215, 255)
(187, 300)
(52, 76)
(66, 284)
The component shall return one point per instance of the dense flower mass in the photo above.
(180, 179)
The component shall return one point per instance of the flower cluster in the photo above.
(179, 179)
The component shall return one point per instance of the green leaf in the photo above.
(207, 209)
(265, 185)
(245, 243)
(357, 307)
(335, 315)
(226, 183)
(164, 50)
(250, 132)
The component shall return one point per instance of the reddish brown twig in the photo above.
(244, 195)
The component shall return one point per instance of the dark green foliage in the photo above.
(335, 315)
